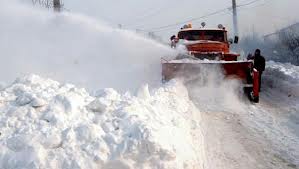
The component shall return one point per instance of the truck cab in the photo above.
(211, 44)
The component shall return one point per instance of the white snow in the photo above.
(45, 124)
(74, 48)
(239, 134)
(48, 124)
(283, 76)
(276, 118)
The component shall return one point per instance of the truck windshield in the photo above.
(193, 35)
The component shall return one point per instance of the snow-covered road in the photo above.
(246, 135)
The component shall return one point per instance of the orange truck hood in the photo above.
(207, 46)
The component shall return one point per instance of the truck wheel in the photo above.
(256, 99)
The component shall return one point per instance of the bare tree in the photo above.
(55, 4)
(43, 3)
(289, 39)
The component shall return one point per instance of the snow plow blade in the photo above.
(188, 69)
(182, 68)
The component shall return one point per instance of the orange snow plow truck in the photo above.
(210, 47)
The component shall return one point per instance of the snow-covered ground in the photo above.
(208, 124)
(239, 134)
(45, 124)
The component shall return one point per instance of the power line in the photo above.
(175, 25)
(190, 20)
(249, 3)
(149, 14)
(166, 27)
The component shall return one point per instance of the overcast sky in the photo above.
(264, 16)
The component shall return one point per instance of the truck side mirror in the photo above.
(230, 41)
(236, 40)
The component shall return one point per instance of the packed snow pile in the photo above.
(45, 124)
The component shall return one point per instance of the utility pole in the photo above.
(235, 18)
(57, 5)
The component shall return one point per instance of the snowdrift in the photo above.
(283, 77)
(45, 124)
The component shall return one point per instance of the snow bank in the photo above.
(45, 124)
(283, 77)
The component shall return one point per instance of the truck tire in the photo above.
(256, 100)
